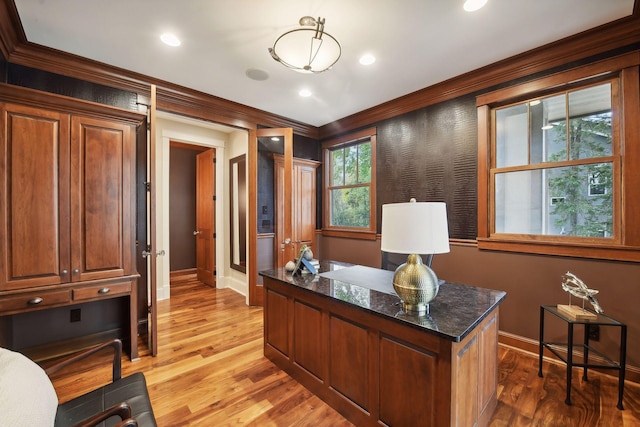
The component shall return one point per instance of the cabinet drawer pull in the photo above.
(104, 291)
(35, 301)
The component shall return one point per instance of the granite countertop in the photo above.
(455, 311)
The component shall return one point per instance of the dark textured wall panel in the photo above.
(431, 154)
(62, 85)
(3, 69)
(265, 192)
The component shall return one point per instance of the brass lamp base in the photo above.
(416, 285)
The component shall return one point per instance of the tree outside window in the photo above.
(350, 185)
(349, 189)
(554, 165)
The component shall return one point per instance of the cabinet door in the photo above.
(102, 169)
(34, 197)
(305, 205)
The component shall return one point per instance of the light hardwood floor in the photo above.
(210, 371)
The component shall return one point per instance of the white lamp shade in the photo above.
(415, 228)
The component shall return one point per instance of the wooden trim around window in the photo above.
(352, 233)
(626, 245)
(630, 150)
(484, 156)
(555, 82)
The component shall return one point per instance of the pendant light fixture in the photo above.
(308, 49)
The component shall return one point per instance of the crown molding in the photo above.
(170, 97)
(11, 31)
(596, 41)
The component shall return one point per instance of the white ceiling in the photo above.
(417, 43)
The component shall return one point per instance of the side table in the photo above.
(554, 347)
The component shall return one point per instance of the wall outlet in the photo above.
(594, 333)
(75, 315)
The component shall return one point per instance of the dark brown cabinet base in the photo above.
(379, 371)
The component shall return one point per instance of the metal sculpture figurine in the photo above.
(576, 287)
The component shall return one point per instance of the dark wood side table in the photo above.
(608, 363)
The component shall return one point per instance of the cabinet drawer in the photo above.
(102, 291)
(34, 301)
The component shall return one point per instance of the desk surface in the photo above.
(455, 311)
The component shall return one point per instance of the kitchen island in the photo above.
(342, 333)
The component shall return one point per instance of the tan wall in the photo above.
(530, 281)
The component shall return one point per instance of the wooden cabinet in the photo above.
(67, 202)
(377, 369)
(303, 204)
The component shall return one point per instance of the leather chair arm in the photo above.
(123, 410)
(117, 358)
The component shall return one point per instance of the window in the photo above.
(553, 147)
(555, 164)
(350, 185)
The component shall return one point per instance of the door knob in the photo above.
(195, 233)
(145, 254)
(287, 241)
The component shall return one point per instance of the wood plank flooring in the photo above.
(210, 371)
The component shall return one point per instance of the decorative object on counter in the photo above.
(576, 287)
(415, 228)
(304, 263)
(308, 49)
(290, 266)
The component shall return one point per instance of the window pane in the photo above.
(364, 162)
(586, 208)
(337, 167)
(547, 129)
(350, 207)
(351, 165)
(572, 201)
(590, 122)
(512, 147)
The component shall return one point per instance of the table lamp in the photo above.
(415, 228)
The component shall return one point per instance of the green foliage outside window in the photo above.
(350, 185)
(586, 190)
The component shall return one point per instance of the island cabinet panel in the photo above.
(309, 339)
(377, 365)
(475, 374)
(408, 376)
(67, 203)
(349, 352)
(465, 370)
(488, 372)
(276, 327)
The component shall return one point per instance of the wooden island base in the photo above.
(380, 370)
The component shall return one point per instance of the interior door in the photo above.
(205, 217)
(268, 218)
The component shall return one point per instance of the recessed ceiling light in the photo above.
(305, 92)
(367, 59)
(170, 39)
(473, 5)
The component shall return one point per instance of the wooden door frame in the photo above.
(256, 295)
